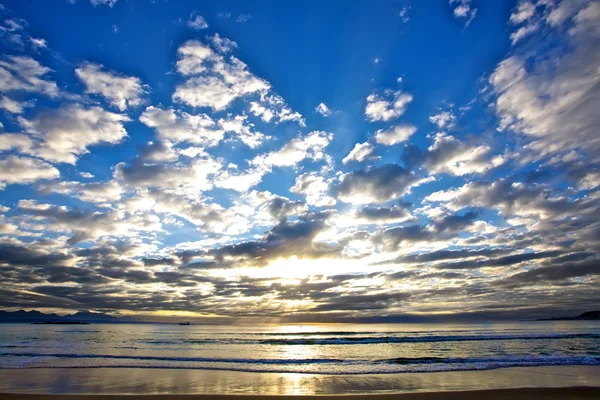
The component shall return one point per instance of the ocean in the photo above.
(337, 349)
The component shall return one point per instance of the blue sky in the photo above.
(302, 161)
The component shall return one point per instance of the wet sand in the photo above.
(568, 393)
(569, 382)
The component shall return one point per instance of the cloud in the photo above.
(195, 175)
(383, 215)
(553, 107)
(389, 106)
(64, 134)
(121, 91)
(360, 153)
(23, 170)
(38, 43)
(223, 45)
(443, 119)
(243, 18)
(524, 11)
(94, 192)
(315, 188)
(22, 73)
(230, 80)
(447, 154)
(243, 129)
(463, 9)
(181, 127)
(87, 225)
(375, 184)
(323, 110)
(394, 135)
(13, 106)
(197, 22)
(311, 146)
(109, 3)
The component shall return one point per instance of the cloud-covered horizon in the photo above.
(206, 172)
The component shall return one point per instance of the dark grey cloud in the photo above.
(375, 184)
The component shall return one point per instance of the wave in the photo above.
(309, 366)
(179, 359)
(350, 340)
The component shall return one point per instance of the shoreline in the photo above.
(157, 383)
(575, 392)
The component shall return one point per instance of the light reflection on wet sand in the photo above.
(161, 381)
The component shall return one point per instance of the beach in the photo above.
(169, 382)
(515, 394)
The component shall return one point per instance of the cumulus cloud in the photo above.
(181, 127)
(243, 129)
(64, 134)
(23, 170)
(22, 73)
(311, 146)
(222, 44)
(197, 22)
(121, 91)
(323, 110)
(14, 106)
(216, 80)
(447, 154)
(394, 135)
(315, 188)
(553, 108)
(360, 153)
(524, 11)
(443, 119)
(463, 9)
(375, 184)
(388, 106)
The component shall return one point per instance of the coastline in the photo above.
(569, 393)
(185, 384)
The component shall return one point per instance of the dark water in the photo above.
(314, 349)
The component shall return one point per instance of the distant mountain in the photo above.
(37, 316)
(586, 316)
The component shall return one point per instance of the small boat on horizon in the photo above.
(184, 323)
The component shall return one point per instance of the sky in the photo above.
(300, 161)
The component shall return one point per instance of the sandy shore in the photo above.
(513, 394)
(158, 384)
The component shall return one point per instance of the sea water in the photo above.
(337, 349)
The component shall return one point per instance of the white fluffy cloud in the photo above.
(64, 134)
(22, 73)
(311, 146)
(361, 152)
(315, 188)
(463, 9)
(225, 79)
(554, 108)
(22, 170)
(394, 135)
(216, 80)
(13, 106)
(389, 106)
(120, 91)
(94, 192)
(180, 127)
(447, 154)
(443, 119)
(197, 22)
(524, 11)
(243, 129)
(323, 110)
